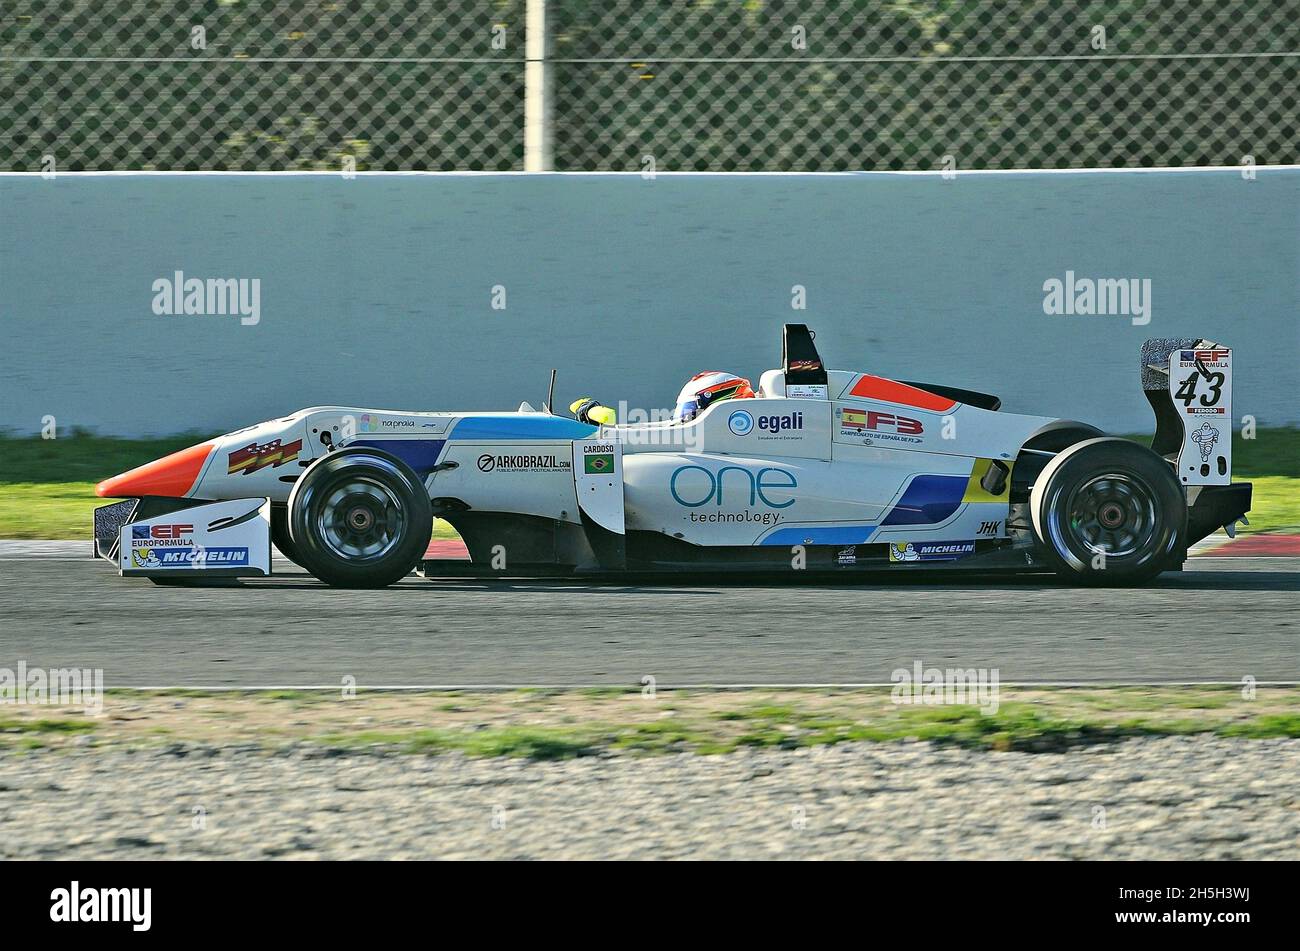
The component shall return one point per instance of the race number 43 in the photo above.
(1200, 384)
(1201, 388)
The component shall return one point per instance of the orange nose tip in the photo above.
(171, 476)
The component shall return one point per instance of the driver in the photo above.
(704, 389)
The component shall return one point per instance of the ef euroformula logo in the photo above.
(740, 423)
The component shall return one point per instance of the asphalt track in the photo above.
(1219, 620)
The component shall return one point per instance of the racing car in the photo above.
(817, 471)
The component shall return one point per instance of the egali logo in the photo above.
(780, 424)
(740, 422)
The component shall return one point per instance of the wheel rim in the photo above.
(360, 520)
(1112, 514)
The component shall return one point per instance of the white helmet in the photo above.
(704, 389)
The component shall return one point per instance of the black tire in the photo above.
(280, 533)
(1109, 497)
(359, 518)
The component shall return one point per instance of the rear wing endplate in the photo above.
(1188, 382)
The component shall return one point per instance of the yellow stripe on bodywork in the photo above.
(976, 492)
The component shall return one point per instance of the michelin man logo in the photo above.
(145, 558)
(1205, 438)
(905, 552)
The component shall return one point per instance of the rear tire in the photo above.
(359, 518)
(1109, 512)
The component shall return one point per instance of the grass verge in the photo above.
(562, 724)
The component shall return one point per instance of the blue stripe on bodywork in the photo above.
(929, 499)
(507, 428)
(420, 454)
(829, 535)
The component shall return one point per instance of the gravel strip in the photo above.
(1163, 798)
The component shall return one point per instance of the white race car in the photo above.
(821, 471)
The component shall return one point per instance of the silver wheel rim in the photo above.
(360, 520)
(1112, 514)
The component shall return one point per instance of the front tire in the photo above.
(359, 518)
(280, 533)
(1109, 512)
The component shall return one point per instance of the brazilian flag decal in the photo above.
(598, 463)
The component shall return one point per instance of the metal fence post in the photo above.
(537, 89)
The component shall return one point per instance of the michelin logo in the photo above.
(929, 551)
(190, 558)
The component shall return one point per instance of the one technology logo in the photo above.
(694, 486)
(77, 904)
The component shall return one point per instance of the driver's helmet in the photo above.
(707, 388)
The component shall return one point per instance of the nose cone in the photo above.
(171, 476)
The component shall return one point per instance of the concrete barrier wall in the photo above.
(378, 291)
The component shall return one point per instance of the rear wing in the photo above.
(1188, 382)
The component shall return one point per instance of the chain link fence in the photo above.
(759, 85)
(281, 84)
